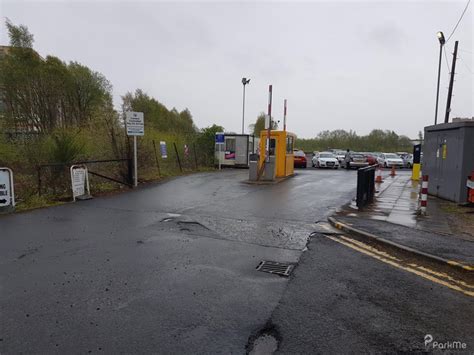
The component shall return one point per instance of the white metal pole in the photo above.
(12, 187)
(135, 175)
(243, 110)
(269, 121)
(220, 155)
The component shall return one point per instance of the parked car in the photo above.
(299, 159)
(387, 160)
(408, 161)
(355, 160)
(325, 160)
(340, 155)
(371, 158)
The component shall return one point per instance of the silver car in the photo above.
(355, 160)
(408, 161)
(387, 160)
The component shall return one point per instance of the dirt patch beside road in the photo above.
(460, 219)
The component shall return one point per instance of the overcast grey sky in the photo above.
(354, 65)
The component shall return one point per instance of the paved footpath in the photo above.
(393, 218)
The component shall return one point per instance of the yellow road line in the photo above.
(466, 267)
(422, 268)
(399, 266)
(442, 274)
(370, 248)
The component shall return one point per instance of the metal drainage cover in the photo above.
(273, 267)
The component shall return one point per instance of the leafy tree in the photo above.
(259, 124)
(376, 141)
(157, 115)
(205, 143)
(19, 35)
(42, 95)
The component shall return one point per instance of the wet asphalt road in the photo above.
(340, 301)
(168, 268)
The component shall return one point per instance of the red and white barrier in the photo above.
(270, 103)
(424, 194)
(378, 176)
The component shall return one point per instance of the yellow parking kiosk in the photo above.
(281, 147)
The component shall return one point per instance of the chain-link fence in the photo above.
(110, 169)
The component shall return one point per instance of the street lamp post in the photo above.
(442, 41)
(245, 81)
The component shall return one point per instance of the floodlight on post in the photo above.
(442, 41)
(441, 38)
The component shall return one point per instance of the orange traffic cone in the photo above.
(392, 173)
(378, 178)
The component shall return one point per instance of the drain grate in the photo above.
(273, 267)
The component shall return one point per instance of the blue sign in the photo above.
(164, 154)
(220, 137)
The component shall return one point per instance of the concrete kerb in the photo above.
(384, 242)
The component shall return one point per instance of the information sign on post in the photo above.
(7, 192)
(220, 139)
(135, 124)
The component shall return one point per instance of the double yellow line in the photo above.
(440, 278)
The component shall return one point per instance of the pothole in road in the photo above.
(323, 227)
(192, 223)
(264, 342)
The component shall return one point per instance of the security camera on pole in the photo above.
(135, 127)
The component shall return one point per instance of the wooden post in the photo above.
(156, 159)
(451, 83)
(39, 180)
(177, 157)
(195, 156)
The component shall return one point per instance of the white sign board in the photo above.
(470, 184)
(5, 188)
(80, 182)
(267, 121)
(135, 123)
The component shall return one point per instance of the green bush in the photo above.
(65, 147)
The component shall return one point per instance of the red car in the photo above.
(300, 159)
(371, 159)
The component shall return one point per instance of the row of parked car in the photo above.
(338, 158)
